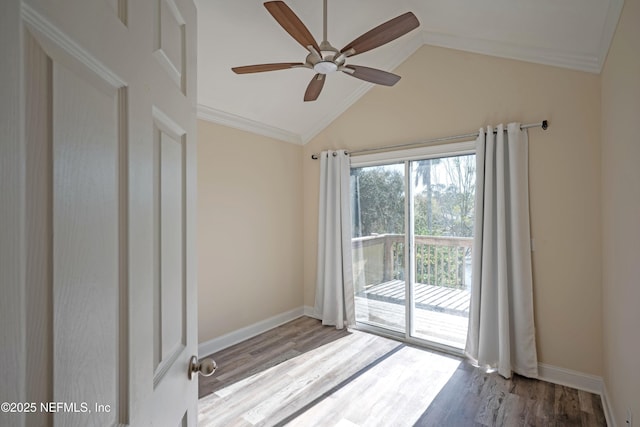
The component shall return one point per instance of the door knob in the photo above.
(206, 367)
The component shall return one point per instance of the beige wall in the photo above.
(446, 92)
(621, 215)
(249, 229)
(584, 181)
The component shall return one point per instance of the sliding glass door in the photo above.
(378, 209)
(412, 241)
(443, 191)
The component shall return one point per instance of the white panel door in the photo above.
(98, 237)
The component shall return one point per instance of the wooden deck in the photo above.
(441, 313)
(427, 297)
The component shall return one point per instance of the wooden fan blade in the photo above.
(373, 75)
(315, 87)
(260, 68)
(383, 33)
(291, 23)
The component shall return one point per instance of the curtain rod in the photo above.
(543, 124)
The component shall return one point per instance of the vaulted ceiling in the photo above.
(573, 34)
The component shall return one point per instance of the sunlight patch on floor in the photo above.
(406, 383)
(280, 390)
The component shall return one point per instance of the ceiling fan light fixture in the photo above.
(325, 67)
(325, 59)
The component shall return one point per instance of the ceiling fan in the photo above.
(325, 59)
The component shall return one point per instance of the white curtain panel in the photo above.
(501, 326)
(334, 283)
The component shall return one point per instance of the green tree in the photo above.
(378, 194)
(456, 200)
(423, 171)
(443, 206)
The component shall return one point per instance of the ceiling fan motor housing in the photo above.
(328, 60)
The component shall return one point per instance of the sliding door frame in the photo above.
(406, 157)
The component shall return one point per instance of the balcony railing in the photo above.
(439, 260)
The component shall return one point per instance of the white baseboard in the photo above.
(606, 407)
(310, 312)
(567, 377)
(581, 381)
(227, 340)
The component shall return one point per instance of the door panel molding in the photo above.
(56, 42)
(77, 236)
(169, 41)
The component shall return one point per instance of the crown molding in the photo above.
(581, 62)
(227, 119)
(591, 63)
(610, 24)
(587, 62)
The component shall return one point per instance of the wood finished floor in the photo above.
(304, 374)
